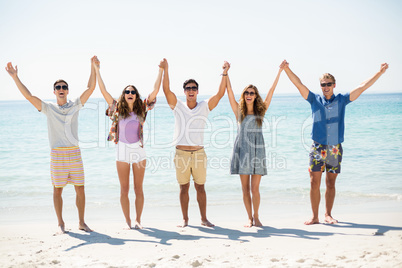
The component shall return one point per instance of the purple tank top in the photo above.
(128, 129)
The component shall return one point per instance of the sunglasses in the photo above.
(327, 84)
(191, 88)
(61, 87)
(249, 93)
(133, 92)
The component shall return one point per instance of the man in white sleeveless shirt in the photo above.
(190, 158)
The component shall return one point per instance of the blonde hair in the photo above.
(327, 76)
(258, 106)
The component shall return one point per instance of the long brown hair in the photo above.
(259, 108)
(138, 108)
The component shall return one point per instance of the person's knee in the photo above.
(330, 180)
(57, 191)
(315, 184)
(184, 188)
(199, 188)
(124, 190)
(330, 184)
(245, 189)
(315, 180)
(255, 190)
(138, 190)
(80, 190)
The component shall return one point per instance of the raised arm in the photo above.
(170, 96)
(355, 93)
(270, 93)
(157, 85)
(96, 65)
(91, 85)
(13, 72)
(232, 100)
(304, 91)
(214, 100)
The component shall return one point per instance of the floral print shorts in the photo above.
(325, 157)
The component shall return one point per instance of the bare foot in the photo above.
(129, 224)
(207, 223)
(330, 220)
(61, 230)
(312, 221)
(249, 224)
(84, 227)
(137, 225)
(257, 222)
(184, 224)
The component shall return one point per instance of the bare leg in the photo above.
(315, 196)
(58, 207)
(184, 200)
(80, 203)
(255, 190)
(123, 170)
(138, 173)
(202, 204)
(245, 186)
(330, 197)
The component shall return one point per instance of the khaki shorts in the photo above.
(191, 163)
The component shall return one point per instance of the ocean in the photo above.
(370, 169)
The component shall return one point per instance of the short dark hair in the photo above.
(188, 81)
(59, 81)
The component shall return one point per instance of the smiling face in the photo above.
(130, 94)
(249, 95)
(327, 86)
(191, 91)
(60, 89)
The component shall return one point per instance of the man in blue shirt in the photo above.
(328, 112)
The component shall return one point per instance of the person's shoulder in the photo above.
(76, 101)
(179, 104)
(44, 102)
(204, 102)
(49, 104)
(44, 106)
(312, 96)
(343, 96)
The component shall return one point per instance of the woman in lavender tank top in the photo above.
(128, 115)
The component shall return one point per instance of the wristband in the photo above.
(224, 74)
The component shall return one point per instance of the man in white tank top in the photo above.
(190, 158)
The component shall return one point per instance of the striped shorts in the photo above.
(66, 166)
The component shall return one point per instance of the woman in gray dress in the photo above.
(249, 159)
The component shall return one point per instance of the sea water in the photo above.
(370, 168)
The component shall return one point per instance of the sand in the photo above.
(359, 240)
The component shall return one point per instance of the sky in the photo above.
(50, 40)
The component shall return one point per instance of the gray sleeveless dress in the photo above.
(248, 156)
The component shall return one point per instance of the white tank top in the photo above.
(190, 123)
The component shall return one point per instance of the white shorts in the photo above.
(130, 153)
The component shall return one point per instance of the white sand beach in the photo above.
(359, 240)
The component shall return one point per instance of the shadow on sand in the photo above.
(98, 238)
(163, 236)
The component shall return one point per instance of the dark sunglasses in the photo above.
(191, 88)
(249, 93)
(327, 84)
(133, 92)
(61, 87)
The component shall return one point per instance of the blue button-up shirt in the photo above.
(328, 118)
